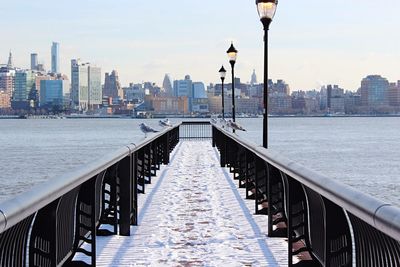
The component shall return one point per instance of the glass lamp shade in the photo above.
(222, 72)
(266, 8)
(232, 53)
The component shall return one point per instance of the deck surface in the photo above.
(193, 214)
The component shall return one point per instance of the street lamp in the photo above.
(232, 54)
(222, 74)
(266, 10)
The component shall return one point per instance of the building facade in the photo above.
(79, 85)
(168, 105)
(7, 80)
(95, 95)
(25, 90)
(394, 94)
(5, 100)
(54, 93)
(374, 91)
(199, 100)
(34, 61)
(112, 86)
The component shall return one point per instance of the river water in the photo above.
(361, 152)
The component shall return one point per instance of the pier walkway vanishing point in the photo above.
(193, 214)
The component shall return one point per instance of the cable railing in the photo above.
(49, 224)
(326, 223)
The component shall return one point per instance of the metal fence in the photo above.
(194, 130)
(325, 222)
(48, 225)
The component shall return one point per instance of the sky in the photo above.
(311, 43)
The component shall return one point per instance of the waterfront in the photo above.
(361, 152)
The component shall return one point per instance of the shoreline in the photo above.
(52, 117)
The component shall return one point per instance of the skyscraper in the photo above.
(253, 80)
(55, 57)
(79, 84)
(85, 85)
(112, 86)
(167, 85)
(9, 63)
(34, 61)
(95, 93)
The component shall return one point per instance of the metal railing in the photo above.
(48, 225)
(195, 130)
(325, 222)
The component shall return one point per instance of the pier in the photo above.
(197, 195)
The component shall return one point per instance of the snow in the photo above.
(194, 215)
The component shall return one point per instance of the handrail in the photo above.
(23, 205)
(195, 130)
(375, 212)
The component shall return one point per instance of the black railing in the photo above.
(48, 225)
(325, 222)
(195, 130)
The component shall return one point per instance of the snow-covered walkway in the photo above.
(194, 215)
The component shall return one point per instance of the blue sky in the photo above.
(311, 43)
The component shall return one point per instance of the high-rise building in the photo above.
(34, 61)
(79, 84)
(5, 102)
(86, 91)
(24, 95)
(54, 92)
(278, 88)
(55, 57)
(374, 91)
(394, 94)
(167, 85)
(112, 86)
(184, 88)
(7, 79)
(200, 99)
(10, 63)
(253, 80)
(95, 90)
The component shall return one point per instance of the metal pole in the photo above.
(223, 102)
(233, 92)
(265, 121)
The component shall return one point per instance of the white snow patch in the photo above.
(194, 215)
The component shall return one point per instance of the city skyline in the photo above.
(311, 44)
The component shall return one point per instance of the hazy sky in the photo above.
(312, 42)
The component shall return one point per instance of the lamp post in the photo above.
(266, 10)
(232, 55)
(222, 74)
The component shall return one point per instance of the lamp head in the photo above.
(266, 10)
(222, 73)
(232, 54)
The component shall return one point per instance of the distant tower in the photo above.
(10, 64)
(112, 85)
(55, 57)
(34, 61)
(167, 85)
(253, 80)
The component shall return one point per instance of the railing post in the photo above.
(213, 135)
(134, 188)
(166, 149)
(125, 200)
(222, 151)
